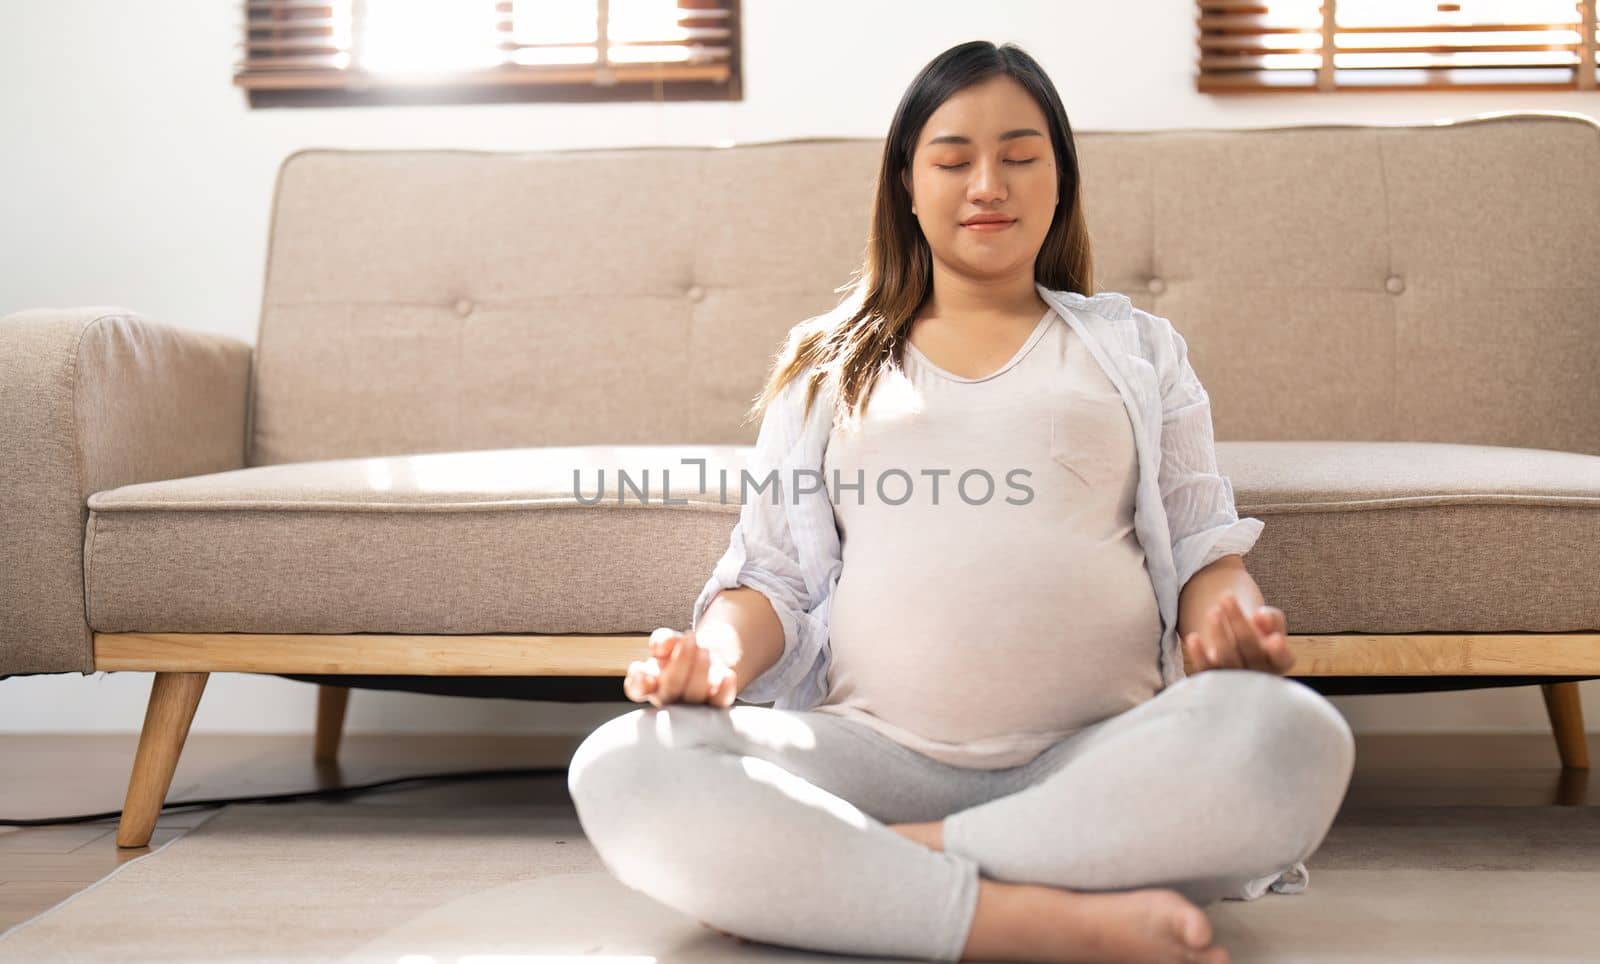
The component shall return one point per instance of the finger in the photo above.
(1197, 656)
(1279, 638)
(1246, 636)
(1222, 648)
(1273, 629)
(662, 645)
(662, 693)
(645, 678)
(729, 691)
(1205, 638)
(662, 642)
(1277, 646)
(1274, 647)
(652, 680)
(1243, 635)
(699, 675)
(632, 683)
(1269, 619)
(1240, 630)
(1205, 644)
(675, 677)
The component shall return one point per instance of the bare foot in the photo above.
(1026, 922)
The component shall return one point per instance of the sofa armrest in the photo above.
(90, 399)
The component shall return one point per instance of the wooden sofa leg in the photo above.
(173, 700)
(331, 703)
(1566, 719)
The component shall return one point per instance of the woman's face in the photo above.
(985, 151)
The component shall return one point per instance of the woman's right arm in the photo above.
(742, 625)
(756, 605)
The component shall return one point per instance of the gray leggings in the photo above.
(772, 824)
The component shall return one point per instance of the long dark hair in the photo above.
(852, 342)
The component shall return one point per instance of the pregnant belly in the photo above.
(960, 650)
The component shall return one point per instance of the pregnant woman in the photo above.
(997, 534)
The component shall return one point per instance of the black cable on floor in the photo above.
(462, 775)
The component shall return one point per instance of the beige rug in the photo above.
(496, 885)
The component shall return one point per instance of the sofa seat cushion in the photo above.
(1411, 537)
(490, 541)
(1371, 537)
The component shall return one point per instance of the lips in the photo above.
(988, 227)
(987, 219)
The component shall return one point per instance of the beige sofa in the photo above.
(1397, 327)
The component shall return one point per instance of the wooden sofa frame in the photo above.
(183, 662)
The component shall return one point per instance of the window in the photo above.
(352, 52)
(1333, 45)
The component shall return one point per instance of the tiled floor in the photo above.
(78, 774)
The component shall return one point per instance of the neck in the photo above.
(962, 298)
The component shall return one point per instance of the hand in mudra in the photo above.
(680, 669)
(1230, 638)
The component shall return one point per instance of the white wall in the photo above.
(135, 175)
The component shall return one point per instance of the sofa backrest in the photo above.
(1426, 282)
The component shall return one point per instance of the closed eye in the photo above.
(951, 167)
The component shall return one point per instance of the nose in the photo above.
(988, 183)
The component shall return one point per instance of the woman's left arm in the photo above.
(1222, 619)
(1224, 623)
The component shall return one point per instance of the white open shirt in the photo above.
(1184, 515)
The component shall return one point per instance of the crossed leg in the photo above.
(775, 824)
(1225, 777)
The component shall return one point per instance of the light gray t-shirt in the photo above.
(979, 619)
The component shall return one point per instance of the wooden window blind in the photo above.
(322, 52)
(1333, 45)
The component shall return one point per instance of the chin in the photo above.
(989, 268)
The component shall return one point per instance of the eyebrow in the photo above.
(1008, 135)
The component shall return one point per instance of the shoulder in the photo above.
(1111, 305)
(800, 426)
(1147, 335)
(793, 394)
